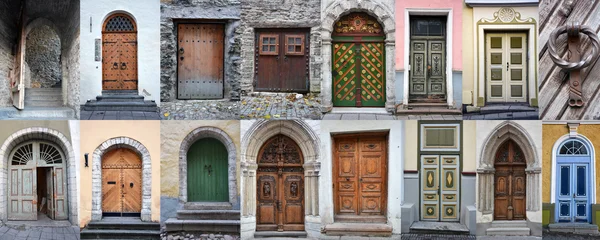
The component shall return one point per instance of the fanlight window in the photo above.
(23, 155)
(573, 147)
(119, 23)
(36, 151)
(49, 154)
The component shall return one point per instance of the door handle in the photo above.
(428, 70)
(115, 65)
(208, 168)
(347, 179)
(438, 190)
(123, 66)
(507, 66)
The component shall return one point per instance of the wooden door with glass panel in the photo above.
(506, 67)
(427, 59)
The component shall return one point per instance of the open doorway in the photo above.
(45, 193)
(43, 68)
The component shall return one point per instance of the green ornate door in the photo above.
(358, 66)
(207, 179)
(440, 199)
(427, 60)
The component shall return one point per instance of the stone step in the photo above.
(280, 235)
(43, 97)
(123, 225)
(428, 111)
(204, 226)
(427, 105)
(146, 106)
(119, 234)
(453, 228)
(505, 108)
(43, 103)
(32, 113)
(508, 231)
(207, 206)
(508, 223)
(120, 98)
(360, 219)
(42, 90)
(208, 214)
(120, 92)
(358, 229)
(579, 228)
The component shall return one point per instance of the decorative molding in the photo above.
(506, 15)
(573, 129)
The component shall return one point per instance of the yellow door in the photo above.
(506, 67)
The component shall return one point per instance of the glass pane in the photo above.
(298, 48)
(516, 90)
(496, 90)
(290, 48)
(298, 40)
(291, 40)
(515, 58)
(496, 42)
(515, 42)
(436, 28)
(272, 48)
(581, 183)
(265, 40)
(516, 74)
(496, 58)
(496, 74)
(419, 28)
(265, 48)
(564, 209)
(272, 40)
(565, 171)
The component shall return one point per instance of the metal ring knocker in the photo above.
(576, 61)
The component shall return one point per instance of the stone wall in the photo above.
(8, 33)
(42, 54)
(70, 69)
(280, 14)
(227, 11)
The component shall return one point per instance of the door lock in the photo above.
(131, 185)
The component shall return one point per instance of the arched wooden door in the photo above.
(121, 183)
(510, 178)
(26, 193)
(358, 62)
(280, 186)
(207, 179)
(119, 53)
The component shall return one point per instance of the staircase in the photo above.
(121, 228)
(427, 108)
(120, 101)
(509, 228)
(206, 218)
(43, 97)
(40, 103)
(448, 228)
(577, 228)
(367, 229)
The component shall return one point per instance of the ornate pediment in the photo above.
(506, 15)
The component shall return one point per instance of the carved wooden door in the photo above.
(440, 191)
(506, 67)
(282, 60)
(358, 68)
(509, 183)
(200, 59)
(280, 186)
(119, 53)
(360, 176)
(427, 59)
(121, 183)
(207, 175)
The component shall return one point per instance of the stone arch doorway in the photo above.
(509, 182)
(42, 58)
(119, 53)
(121, 183)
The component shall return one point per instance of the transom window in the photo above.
(119, 23)
(36, 151)
(294, 44)
(573, 147)
(269, 44)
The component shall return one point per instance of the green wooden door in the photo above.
(207, 179)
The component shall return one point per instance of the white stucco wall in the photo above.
(395, 165)
(146, 13)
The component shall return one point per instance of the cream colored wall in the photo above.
(469, 130)
(411, 151)
(468, 48)
(172, 135)
(7, 128)
(94, 133)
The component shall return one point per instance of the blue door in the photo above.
(573, 178)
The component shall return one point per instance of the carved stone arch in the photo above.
(51, 135)
(225, 139)
(143, 153)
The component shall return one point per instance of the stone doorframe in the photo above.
(40, 133)
(449, 47)
(143, 153)
(252, 141)
(485, 172)
(385, 16)
(189, 140)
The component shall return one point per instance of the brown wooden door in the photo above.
(359, 170)
(200, 61)
(121, 183)
(509, 201)
(119, 53)
(280, 186)
(282, 59)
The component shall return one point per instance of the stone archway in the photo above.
(191, 138)
(140, 149)
(385, 15)
(485, 172)
(40, 133)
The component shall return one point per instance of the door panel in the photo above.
(345, 77)
(506, 68)
(23, 198)
(121, 182)
(418, 80)
(267, 202)
(282, 60)
(111, 191)
(440, 191)
(293, 199)
(372, 62)
(449, 188)
(200, 61)
(572, 193)
(50, 200)
(132, 190)
(207, 174)
(60, 186)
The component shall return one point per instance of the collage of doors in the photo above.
(299, 119)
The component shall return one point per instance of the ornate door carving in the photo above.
(119, 53)
(280, 186)
(358, 62)
(121, 183)
(360, 175)
(509, 183)
(440, 191)
(428, 59)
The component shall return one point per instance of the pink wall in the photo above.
(456, 5)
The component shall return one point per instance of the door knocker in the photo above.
(115, 65)
(575, 59)
(123, 66)
(208, 168)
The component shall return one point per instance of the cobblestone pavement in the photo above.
(429, 117)
(194, 236)
(567, 236)
(533, 115)
(281, 106)
(358, 116)
(39, 233)
(118, 115)
(436, 237)
(200, 110)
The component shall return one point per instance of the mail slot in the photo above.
(111, 182)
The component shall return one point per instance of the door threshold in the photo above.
(279, 235)
(439, 227)
(370, 110)
(359, 219)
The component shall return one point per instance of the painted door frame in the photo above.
(448, 12)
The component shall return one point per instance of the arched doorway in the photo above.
(207, 171)
(358, 67)
(37, 182)
(280, 186)
(119, 53)
(121, 183)
(510, 182)
(573, 178)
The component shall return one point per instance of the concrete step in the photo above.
(145, 106)
(208, 214)
(428, 111)
(505, 108)
(358, 229)
(360, 219)
(507, 223)
(120, 98)
(46, 97)
(453, 228)
(579, 228)
(43, 90)
(211, 226)
(32, 113)
(119, 234)
(43, 103)
(120, 92)
(508, 231)
(207, 206)
(280, 235)
(123, 225)
(427, 105)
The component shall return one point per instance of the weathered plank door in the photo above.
(49, 192)
(358, 62)
(427, 59)
(280, 186)
(282, 60)
(121, 183)
(59, 193)
(440, 188)
(207, 175)
(509, 182)
(119, 53)
(200, 60)
(506, 67)
(22, 197)
(360, 176)
(573, 173)
(17, 82)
